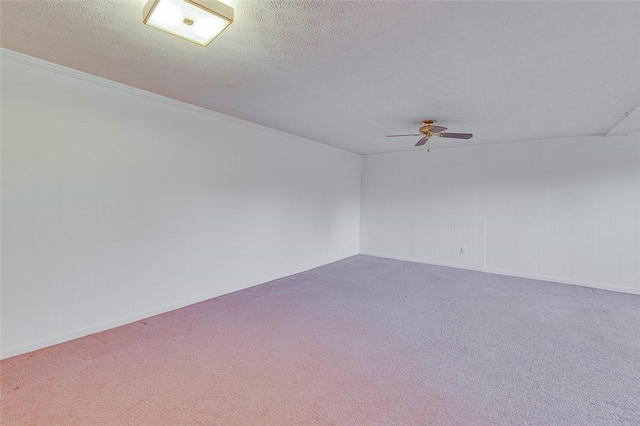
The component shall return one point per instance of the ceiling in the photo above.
(347, 73)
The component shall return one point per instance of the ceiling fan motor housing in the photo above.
(426, 126)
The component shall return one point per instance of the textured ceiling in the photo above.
(347, 73)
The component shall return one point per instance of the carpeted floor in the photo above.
(358, 342)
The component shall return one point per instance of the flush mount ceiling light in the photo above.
(199, 22)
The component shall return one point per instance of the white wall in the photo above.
(118, 204)
(560, 210)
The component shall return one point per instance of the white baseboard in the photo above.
(117, 322)
(75, 334)
(598, 286)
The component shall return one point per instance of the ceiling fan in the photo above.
(429, 129)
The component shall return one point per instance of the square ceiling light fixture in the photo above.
(198, 21)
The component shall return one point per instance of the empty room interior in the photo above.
(296, 212)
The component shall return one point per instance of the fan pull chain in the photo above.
(428, 142)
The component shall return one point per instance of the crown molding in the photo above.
(628, 116)
(99, 81)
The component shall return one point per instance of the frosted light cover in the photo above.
(188, 19)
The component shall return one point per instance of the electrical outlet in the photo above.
(463, 250)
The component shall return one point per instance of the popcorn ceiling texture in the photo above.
(347, 73)
(363, 341)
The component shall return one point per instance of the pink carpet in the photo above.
(358, 342)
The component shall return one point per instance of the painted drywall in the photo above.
(560, 210)
(118, 204)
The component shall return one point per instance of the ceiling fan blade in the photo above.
(396, 136)
(456, 135)
(438, 129)
(422, 141)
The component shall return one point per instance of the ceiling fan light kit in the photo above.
(429, 129)
(198, 21)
